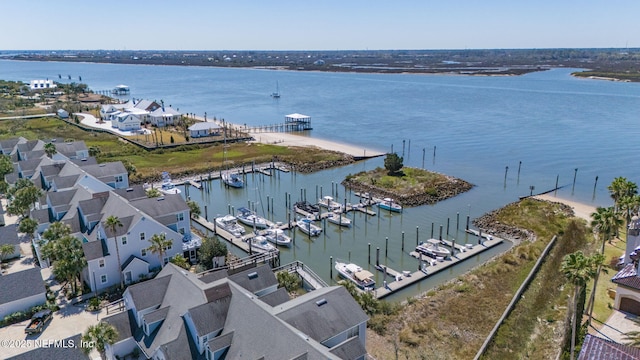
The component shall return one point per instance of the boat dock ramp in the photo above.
(430, 266)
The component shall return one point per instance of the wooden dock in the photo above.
(432, 266)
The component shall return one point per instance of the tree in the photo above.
(28, 226)
(6, 250)
(578, 270)
(291, 282)
(98, 336)
(50, 149)
(94, 151)
(211, 247)
(70, 260)
(180, 261)
(111, 224)
(23, 195)
(153, 193)
(194, 208)
(604, 223)
(159, 245)
(393, 163)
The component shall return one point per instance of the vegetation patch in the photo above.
(409, 187)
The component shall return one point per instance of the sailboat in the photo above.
(276, 94)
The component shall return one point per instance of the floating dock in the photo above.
(432, 266)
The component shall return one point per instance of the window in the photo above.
(103, 278)
(181, 231)
(119, 178)
(169, 247)
(143, 252)
(142, 237)
(124, 240)
(180, 217)
(101, 263)
(166, 260)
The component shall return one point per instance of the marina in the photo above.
(503, 104)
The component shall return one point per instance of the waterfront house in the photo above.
(219, 315)
(27, 291)
(42, 84)
(127, 121)
(83, 194)
(164, 116)
(203, 129)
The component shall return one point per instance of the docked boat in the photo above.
(260, 244)
(330, 204)
(230, 224)
(233, 180)
(354, 273)
(308, 227)
(168, 187)
(433, 248)
(390, 204)
(307, 209)
(338, 219)
(277, 237)
(252, 219)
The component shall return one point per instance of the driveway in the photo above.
(617, 325)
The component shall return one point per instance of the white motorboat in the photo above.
(330, 204)
(354, 273)
(338, 219)
(233, 180)
(252, 219)
(308, 227)
(259, 243)
(433, 248)
(277, 237)
(168, 187)
(230, 224)
(307, 209)
(390, 204)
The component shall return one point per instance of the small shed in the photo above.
(202, 129)
(297, 122)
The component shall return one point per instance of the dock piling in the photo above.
(440, 236)
(386, 247)
(377, 256)
(331, 267)
(457, 221)
(447, 227)
(369, 253)
(417, 235)
(467, 228)
(206, 216)
(402, 241)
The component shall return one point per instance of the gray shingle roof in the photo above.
(70, 149)
(350, 349)
(105, 172)
(156, 315)
(321, 322)
(168, 204)
(93, 250)
(9, 235)
(211, 316)
(123, 323)
(86, 161)
(24, 284)
(134, 192)
(277, 297)
(149, 293)
(264, 278)
(213, 276)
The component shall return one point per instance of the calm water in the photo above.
(549, 122)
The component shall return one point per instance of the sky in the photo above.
(317, 25)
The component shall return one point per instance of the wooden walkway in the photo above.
(430, 266)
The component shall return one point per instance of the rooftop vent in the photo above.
(161, 198)
(129, 189)
(321, 302)
(252, 275)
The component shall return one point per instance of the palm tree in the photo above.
(180, 261)
(97, 336)
(628, 205)
(6, 250)
(153, 193)
(159, 245)
(605, 223)
(50, 149)
(28, 226)
(194, 208)
(578, 270)
(111, 224)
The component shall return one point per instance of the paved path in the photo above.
(617, 325)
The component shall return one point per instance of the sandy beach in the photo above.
(289, 139)
(581, 210)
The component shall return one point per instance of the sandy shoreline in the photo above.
(581, 210)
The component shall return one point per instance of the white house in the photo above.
(164, 116)
(27, 291)
(42, 84)
(127, 121)
(202, 129)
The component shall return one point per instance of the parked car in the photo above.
(38, 321)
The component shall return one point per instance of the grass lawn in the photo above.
(603, 305)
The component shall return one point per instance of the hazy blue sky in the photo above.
(317, 25)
